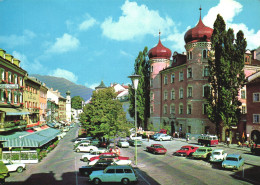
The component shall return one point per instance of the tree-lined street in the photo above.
(62, 164)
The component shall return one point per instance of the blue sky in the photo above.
(86, 41)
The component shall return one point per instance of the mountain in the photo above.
(63, 85)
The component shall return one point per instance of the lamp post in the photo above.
(135, 79)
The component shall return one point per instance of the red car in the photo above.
(156, 149)
(186, 150)
(109, 154)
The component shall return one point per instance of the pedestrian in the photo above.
(187, 138)
(228, 141)
(148, 137)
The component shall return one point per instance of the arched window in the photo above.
(181, 93)
(165, 109)
(172, 94)
(181, 109)
(172, 109)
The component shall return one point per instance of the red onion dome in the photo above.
(199, 33)
(160, 51)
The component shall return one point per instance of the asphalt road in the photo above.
(61, 165)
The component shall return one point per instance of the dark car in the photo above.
(132, 142)
(99, 165)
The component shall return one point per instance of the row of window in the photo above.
(205, 93)
(181, 109)
(29, 104)
(9, 77)
(12, 97)
(204, 54)
(189, 75)
(31, 89)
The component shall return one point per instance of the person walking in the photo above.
(228, 141)
(187, 138)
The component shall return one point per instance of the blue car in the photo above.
(233, 161)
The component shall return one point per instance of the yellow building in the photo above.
(62, 109)
(32, 100)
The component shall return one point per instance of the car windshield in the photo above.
(184, 149)
(201, 150)
(231, 159)
(158, 146)
(216, 153)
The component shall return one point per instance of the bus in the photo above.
(207, 140)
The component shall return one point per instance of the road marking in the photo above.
(76, 171)
(142, 177)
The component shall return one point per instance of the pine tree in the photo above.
(226, 63)
(142, 67)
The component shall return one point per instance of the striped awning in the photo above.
(14, 112)
(34, 140)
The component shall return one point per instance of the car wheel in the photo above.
(20, 169)
(78, 150)
(125, 181)
(161, 139)
(171, 139)
(91, 150)
(97, 181)
(85, 159)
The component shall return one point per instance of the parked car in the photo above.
(66, 129)
(132, 142)
(156, 149)
(86, 157)
(218, 155)
(164, 137)
(85, 147)
(123, 143)
(233, 161)
(186, 150)
(123, 174)
(80, 139)
(116, 161)
(109, 154)
(100, 165)
(14, 166)
(86, 142)
(202, 153)
(155, 135)
(3, 172)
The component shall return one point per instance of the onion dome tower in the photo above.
(159, 59)
(68, 106)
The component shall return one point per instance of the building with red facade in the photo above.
(179, 85)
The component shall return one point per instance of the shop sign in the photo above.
(9, 86)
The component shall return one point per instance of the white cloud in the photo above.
(30, 67)
(64, 44)
(86, 24)
(228, 9)
(135, 21)
(16, 40)
(64, 74)
(126, 54)
(92, 86)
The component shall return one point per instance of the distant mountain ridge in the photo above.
(63, 85)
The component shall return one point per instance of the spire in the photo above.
(200, 11)
(159, 34)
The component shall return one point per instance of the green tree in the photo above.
(226, 63)
(76, 102)
(142, 68)
(104, 116)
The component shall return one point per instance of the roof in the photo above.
(200, 33)
(233, 155)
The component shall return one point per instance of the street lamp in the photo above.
(135, 79)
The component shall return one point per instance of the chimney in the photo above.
(2, 53)
(16, 62)
(9, 57)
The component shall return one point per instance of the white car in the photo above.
(123, 143)
(85, 147)
(13, 166)
(116, 161)
(123, 174)
(164, 137)
(218, 155)
(86, 157)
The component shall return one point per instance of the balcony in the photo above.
(10, 125)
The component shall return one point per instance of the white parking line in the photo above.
(142, 177)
